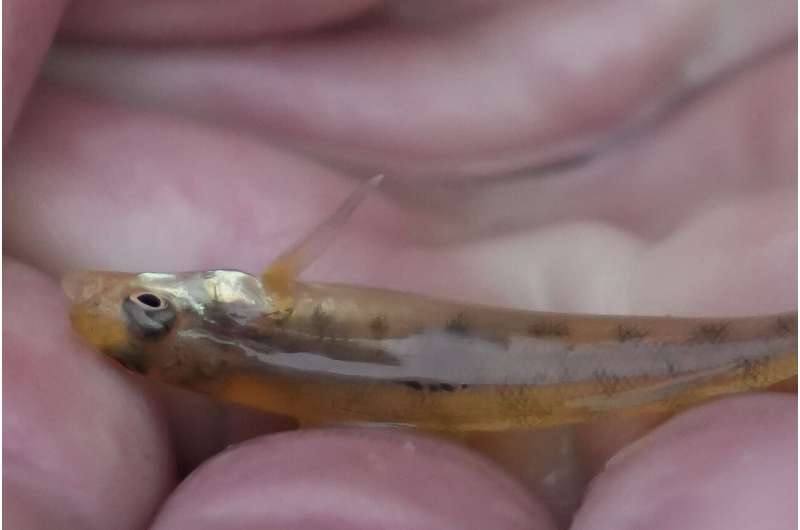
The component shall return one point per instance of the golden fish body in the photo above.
(337, 354)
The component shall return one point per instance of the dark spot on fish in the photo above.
(675, 398)
(458, 325)
(133, 361)
(548, 328)
(626, 333)
(609, 383)
(504, 341)
(671, 370)
(379, 327)
(321, 321)
(711, 332)
(517, 401)
(753, 370)
(416, 385)
(432, 387)
(786, 325)
(212, 367)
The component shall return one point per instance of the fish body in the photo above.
(326, 353)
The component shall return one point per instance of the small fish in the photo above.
(326, 353)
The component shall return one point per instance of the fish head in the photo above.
(136, 318)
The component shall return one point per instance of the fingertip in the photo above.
(84, 448)
(350, 478)
(729, 464)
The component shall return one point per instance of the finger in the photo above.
(350, 478)
(175, 196)
(164, 228)
(200, 426)
(600, 440)
(28, 29)
(475, 96)
(179, 196)
(728, 146)
(84, 448)
(731, 464)
(171, 21)
(208, 198)
(545, 461)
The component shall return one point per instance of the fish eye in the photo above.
(149, 315)
(148, 301)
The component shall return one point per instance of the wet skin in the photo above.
(346, 354)
(88, 446)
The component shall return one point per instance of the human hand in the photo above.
(176, 165)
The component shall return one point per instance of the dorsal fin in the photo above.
(279, 277)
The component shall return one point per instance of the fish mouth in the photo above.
(81, 285)
(95, 311)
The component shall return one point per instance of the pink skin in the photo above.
(350, 478)
(696, 216)
(706, 452)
